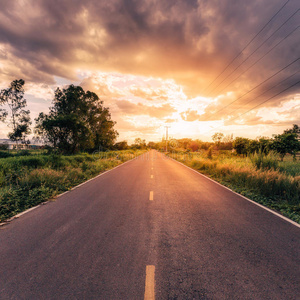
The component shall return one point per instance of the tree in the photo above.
(264, 145)
(295, 129)
(241, 145)
(286, 143)
(139, 144)
(121, 145)
(193, 146)
(152, 145)
(253, 146)
(77, 121)
(217, 137)
(20, 121)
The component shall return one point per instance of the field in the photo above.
(265, 180)
(29, 178)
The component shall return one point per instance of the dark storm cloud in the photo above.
(189, 41)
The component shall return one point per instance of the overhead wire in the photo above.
(258, 60)
(256, 49)
(263, 102)
(256, 35)
(254, 88)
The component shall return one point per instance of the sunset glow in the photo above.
(157, 63)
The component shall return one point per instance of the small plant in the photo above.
(264, 161)
(209, 152)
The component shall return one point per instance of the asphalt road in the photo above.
(196, 239)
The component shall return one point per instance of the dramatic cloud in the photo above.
(157, 58)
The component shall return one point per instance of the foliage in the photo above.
(265, 161)
(193, 146)
(241, 145)
(121, 145)
(209, 152)
(278, 189)
(77, 122)
(20, 121)
(26, 181)
(139, 144)
(217, 137)
(286, 143)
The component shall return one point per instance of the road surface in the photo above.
(151, 227)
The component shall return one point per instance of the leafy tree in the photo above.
(286, 143)
(77, 121)
(241, 145)
(193, 146)
(139, 144)
(20, 121)
(295, 129)
(217, 138)
(264, 145)
(121, 145)
(152, 145)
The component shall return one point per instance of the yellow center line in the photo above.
(149, 283)
(151, 196)
(151, 176)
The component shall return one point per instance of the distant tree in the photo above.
(193, 146)
(253, 146)
(209, 152)
(217, 137)
(295, 129)
(77, 121)
(152, 145)
(227, 142)
(264, 145)
(121, 145)
(241, 145)
(286, 143)
(139, 144)
(19, 121)
(183, 143)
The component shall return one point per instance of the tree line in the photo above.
(77, 120)
(287, 142)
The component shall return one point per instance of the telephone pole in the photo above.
(167, 137)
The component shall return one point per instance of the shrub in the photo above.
(209, 152)
(265, 161)
(4, 154)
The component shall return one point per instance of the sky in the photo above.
(196, 66)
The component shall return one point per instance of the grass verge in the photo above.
(275, 189)
(26, 181)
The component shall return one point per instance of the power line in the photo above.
(257, 105)
(257, 86)
(271, 88)
(259, 59)
(267, 100)
(248, 44)
(254, 51)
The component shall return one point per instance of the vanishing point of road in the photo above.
(150, 228)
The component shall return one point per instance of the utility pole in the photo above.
(167, 137)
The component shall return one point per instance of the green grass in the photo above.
(272, 183)
(26, 181)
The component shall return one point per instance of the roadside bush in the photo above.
(23, 153)
(209, 152)
(265, 161)
(26, 181)
(5, 154)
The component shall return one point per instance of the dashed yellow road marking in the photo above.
(151, 176)
(150, 283)
(151, 196)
